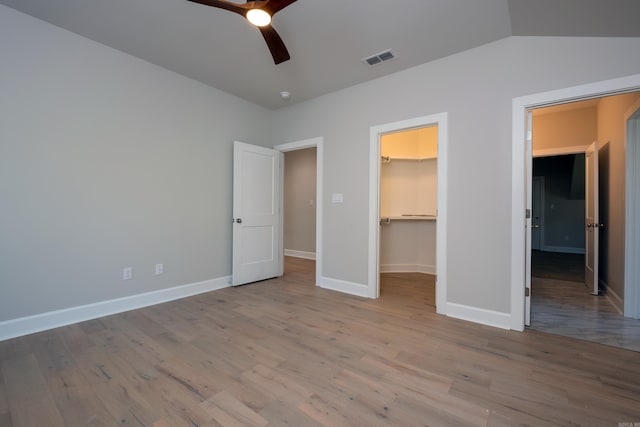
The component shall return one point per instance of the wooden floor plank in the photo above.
(5, 416)
(285, 352)
(569, 309)
(229, 411)
(30, 401)
(71, 392)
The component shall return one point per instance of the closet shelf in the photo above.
(407, 217)
(387, 159)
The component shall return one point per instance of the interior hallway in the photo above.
(561, 304)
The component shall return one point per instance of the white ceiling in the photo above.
(327, 39)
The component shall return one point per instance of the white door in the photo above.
(536, 213)
(528, 208)
(591, 218)
(256, 219)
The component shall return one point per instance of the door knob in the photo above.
(239, 220)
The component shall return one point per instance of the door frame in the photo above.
(592, 200)
(317, 142)
(376, 132)
(541, 180)
(521, 154)
(632, 214)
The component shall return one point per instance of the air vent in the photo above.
(379, 58)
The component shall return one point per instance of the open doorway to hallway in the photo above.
(299, 215)
(301, 209)
(561, 303)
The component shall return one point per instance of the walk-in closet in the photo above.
(408, 201)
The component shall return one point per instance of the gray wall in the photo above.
(300, 200)
(476, 89)
(108, 161)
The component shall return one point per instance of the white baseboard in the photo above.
(299, 254)
(562, 249)
(479, 315)
(408, 268)
(612, 297)
(344, 286)
(53, 319)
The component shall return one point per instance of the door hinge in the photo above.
(527, 213)
(527, 292)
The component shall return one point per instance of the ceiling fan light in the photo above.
(258, 17)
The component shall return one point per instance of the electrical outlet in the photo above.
(159, 269)
(127, 273)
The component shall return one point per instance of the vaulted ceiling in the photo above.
(327, 39)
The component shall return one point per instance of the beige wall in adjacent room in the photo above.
(300, 200)
(571, 128)
(612, 139)
(413, 144)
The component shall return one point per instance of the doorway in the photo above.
(408, 206)
(578, 302)
(303, 236)
(521, 180)
(439, 121)
(612, 273)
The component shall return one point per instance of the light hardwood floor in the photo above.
(567, 308)
(283, 352)
(562, 304)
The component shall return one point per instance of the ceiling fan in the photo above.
(259, 13)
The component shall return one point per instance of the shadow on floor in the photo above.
(556, 265)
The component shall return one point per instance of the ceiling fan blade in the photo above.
(276, 46)
(274, 6)
(240, 9)
(274, 42)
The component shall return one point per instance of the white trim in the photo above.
(374, 203)
(632, 213)
(519, 197)
(478, 315)
(317, 142)
(352, 288)
(541, 219)
(562, 249)
(408, 268)
(559, 151)
(611, 296)
(299, 254)
(54, 319)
